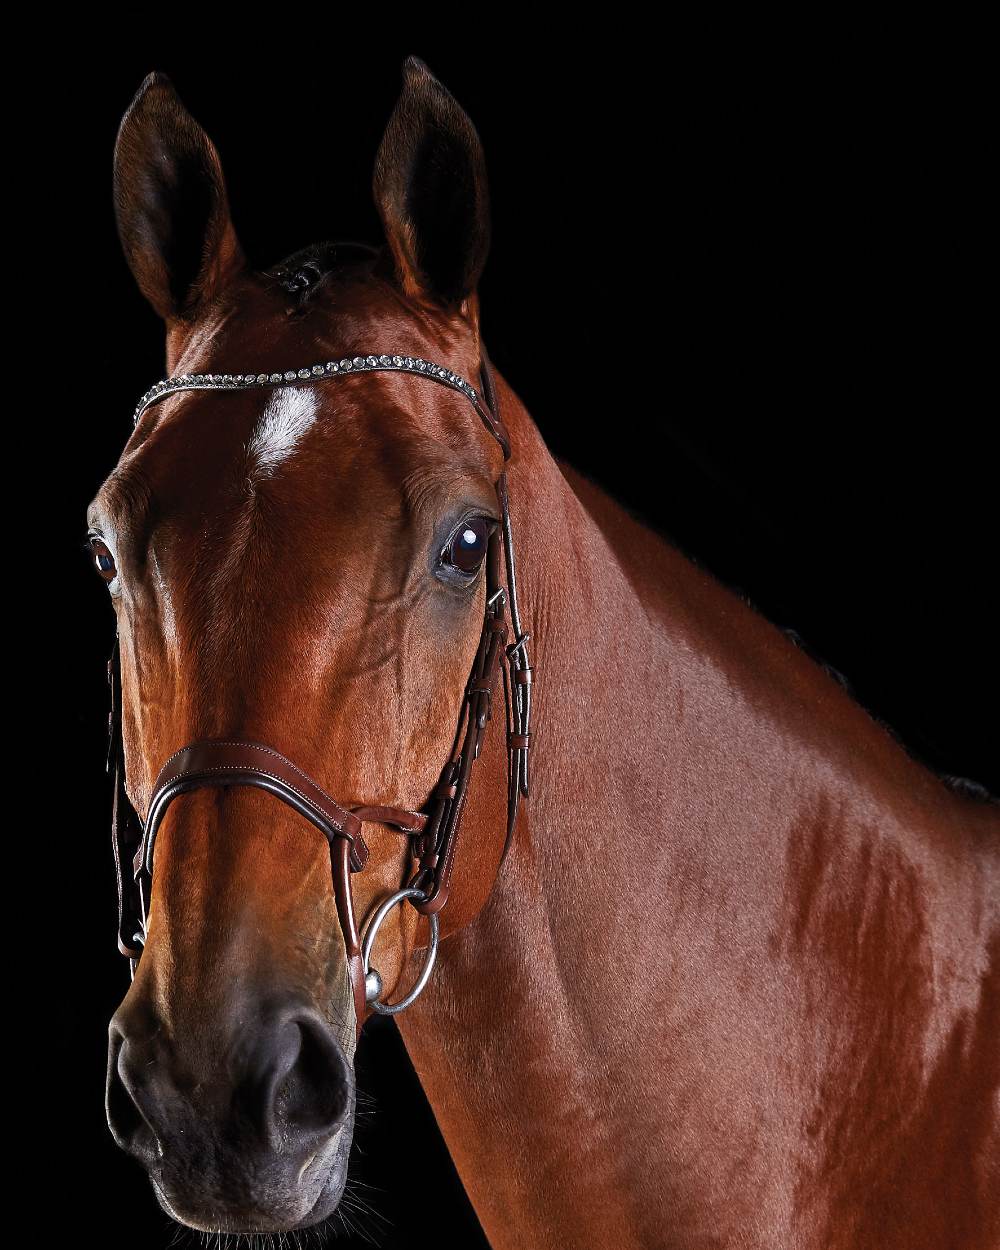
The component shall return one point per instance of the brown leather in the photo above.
(239, 763)
(434, 833)
(340, 859)
(399, 817)
(436, 849)
(236, 762)
(126, 827)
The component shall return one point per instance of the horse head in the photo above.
(301, 564)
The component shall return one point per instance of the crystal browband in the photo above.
(312, 373)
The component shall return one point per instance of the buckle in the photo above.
(517, 645)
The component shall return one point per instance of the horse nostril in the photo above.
(310, 1092)
(283, 1085)
(128, 1126)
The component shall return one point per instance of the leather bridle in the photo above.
(433, 832)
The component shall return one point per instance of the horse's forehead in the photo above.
(305, 447)
(213, 479)
(326, 484)
(254, 331)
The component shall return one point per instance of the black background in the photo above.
(740, 288)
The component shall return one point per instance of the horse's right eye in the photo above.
(104, 561)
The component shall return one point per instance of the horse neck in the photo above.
(581, 1029)
(517, 1041)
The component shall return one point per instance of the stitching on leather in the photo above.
(387, 807)
(256, 746)
(223, 768)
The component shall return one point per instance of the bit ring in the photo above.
(373, 981)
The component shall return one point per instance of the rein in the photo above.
(434, 832)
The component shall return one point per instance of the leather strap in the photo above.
(436, 848)
(126, 827)
(238, 763)
(398, 817)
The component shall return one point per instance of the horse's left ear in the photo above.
(431, 193)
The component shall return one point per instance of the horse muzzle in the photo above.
(249, 1133)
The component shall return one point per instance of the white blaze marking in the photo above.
(286, 418)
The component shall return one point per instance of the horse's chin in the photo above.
(267, 1206)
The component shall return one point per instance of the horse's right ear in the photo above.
(170, 203)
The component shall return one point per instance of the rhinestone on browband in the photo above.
(312, 373)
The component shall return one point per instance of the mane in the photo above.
(964, 786)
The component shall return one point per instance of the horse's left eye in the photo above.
(467, 547)
(104, 561)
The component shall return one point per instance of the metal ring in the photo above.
(368, 939)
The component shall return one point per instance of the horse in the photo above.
(722, 969)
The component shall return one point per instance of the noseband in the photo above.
(432, 833)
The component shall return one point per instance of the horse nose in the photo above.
(283, 1086)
